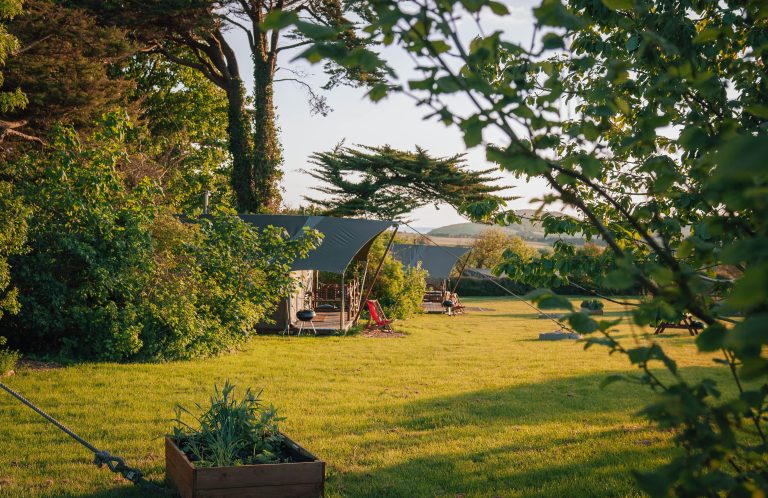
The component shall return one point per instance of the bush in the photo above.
(592, 304)
(8, 358)
(113, 274)
(486, 286)
(400, 291)
(231, 431)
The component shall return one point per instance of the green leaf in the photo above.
(742, 157)
(517, 160)
(316, 31)
(552, 41)
(554, 301)
(619, 4)
(638, 355)
(632, 43)
(448, 84)
(759, 110)
(706, 35)
(750, 290)
(612, 379)
(711, 338)
(279, 19)
(378, 92)
(581, 322)
(751, 333)
(554, 13)
(473, 131)
(498, 8)
(590, 166)
(439, 46)
(473, 5)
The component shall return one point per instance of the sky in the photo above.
(395, 121)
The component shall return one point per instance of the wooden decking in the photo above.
(429, 307)
(325, 323)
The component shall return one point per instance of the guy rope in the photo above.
(101, 457)
(492, 280)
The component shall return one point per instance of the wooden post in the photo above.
(376, 274)
(461, 273)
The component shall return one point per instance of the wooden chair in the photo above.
(378, 319)
(458, 308)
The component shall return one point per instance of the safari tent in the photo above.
(345, 241)
(439, 262)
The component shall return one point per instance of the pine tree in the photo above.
(389, 183)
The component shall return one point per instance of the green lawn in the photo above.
(471, 406)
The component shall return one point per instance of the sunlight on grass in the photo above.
(471, 405)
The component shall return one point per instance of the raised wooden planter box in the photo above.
(304, 478)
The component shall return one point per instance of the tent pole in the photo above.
(461, 273)
(376, 273)
(343, 295)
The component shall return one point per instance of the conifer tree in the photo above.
(389, 183)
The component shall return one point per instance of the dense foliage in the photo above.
(649, 119)
(64, 65)
(489, 248)
(387, 183)
(183, 143)
(231, 431)
(193, 34)
(399, 290)
(587, 267)
(111, 273)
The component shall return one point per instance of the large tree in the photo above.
(193, 33)
(390, 183)
(63, 66)
(13, 226)
(649, 118)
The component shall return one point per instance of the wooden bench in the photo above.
(687, 323)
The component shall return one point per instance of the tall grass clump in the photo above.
(231, 431)
(8, 358)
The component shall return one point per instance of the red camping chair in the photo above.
(378, 319)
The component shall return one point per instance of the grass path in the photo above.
(471, 406)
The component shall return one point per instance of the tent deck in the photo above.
(428, 307)
(325, 322)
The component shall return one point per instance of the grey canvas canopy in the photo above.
(438, 261)
(344, 239)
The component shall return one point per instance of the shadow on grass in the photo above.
(127, 491)
(590, 451)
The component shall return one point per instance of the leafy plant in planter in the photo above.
(592, 305)
(231, 431)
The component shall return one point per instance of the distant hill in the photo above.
(526, 229)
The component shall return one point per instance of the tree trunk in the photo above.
(241, 148)
(267, 153)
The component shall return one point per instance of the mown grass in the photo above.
(472, 406)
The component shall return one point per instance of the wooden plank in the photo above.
(286, 491)
(179, 470)
(260, 475)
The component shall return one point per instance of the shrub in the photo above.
(230, 431)
(592, 304)
(400, 291)
(113, 274)
(8, 358)
(13, 230)
(486, 286)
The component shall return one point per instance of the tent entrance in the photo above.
(334, 302)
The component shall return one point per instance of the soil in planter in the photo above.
(286, 455)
